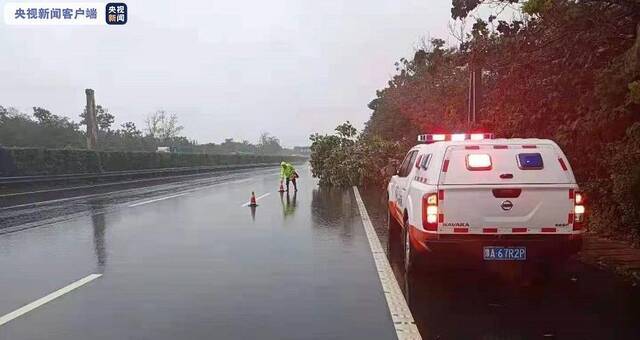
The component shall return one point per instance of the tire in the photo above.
(409, 252)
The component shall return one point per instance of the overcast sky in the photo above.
(227, 68)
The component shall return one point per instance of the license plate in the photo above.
(505, 253)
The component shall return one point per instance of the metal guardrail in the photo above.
(116, 174)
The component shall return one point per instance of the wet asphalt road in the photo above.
(202, 266)
(199, 266)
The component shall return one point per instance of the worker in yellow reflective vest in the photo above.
(288, 173)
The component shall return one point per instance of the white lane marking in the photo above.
(53, 221)
(35, 304)
(400, 313)
(155, 200)
(257, 199)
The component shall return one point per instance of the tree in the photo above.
(346, 130)
(163, 125)
(268, 144)
(346, 159)
(104, 119)
(129, 129)
(43, 116)
(47, 130)
(462, 8)
(554, 74)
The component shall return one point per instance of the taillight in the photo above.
(430, 212)
(579, 198)
(578, 211)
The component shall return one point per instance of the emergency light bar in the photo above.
(431, 138)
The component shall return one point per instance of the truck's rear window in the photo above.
(530, 161)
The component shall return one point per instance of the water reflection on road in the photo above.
(288, 202)
(581, 303)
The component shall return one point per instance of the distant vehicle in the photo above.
(473, 198)
(164, 149)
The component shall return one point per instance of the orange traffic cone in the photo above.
(252, 202)
(281, 187)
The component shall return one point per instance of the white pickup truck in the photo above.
(473, 198)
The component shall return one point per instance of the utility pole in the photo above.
(92, 126)
(475, 95)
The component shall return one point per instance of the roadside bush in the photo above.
(552, 73)
(37, 161)
(346, 159)
(618, 197)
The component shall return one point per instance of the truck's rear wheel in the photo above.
(409, 253)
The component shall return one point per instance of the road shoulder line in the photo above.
(403, 321)
(58, 293)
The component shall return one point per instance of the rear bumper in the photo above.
(469, 248)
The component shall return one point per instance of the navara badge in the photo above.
(506, 205)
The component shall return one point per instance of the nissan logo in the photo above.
(506, 205)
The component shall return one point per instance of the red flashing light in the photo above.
(440, 137)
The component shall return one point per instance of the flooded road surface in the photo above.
(582, 302)
(190, 260)
(197, 264)
(42, 207)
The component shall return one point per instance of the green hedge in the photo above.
(38, 161)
